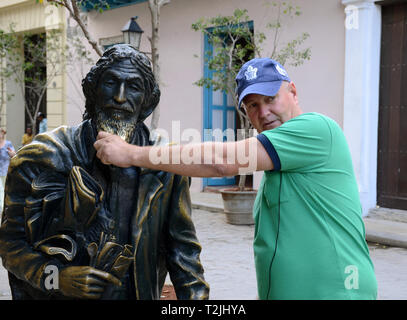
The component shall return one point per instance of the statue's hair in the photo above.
(110, 56)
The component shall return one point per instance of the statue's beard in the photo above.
(122, 128)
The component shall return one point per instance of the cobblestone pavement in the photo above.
(227, 256)
(391, 271)
(5, 293)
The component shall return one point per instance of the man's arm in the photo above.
(208, 159)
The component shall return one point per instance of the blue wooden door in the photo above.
(219, 115)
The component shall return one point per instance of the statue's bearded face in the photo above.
(120, 95)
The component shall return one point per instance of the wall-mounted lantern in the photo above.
(132, 33)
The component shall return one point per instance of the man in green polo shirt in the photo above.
(309, 235)
(309, 240)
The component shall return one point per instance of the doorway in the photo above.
(392, 131)
(219, 115)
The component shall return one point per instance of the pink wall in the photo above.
(320, 81)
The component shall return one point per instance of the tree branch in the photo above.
(163, 2)
(73, 10)
(78, 19)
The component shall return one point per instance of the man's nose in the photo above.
(120, 96)
(263, 110)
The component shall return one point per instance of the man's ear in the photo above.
(292, 88)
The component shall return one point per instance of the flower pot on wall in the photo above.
(238, 205)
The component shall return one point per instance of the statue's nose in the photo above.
(120, 95)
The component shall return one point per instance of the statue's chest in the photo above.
(121, 195)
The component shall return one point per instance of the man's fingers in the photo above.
(102, 134)
(101, 156)
(111, 149)
(97, 144)
(101, 139)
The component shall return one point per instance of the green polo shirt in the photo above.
(309, 238)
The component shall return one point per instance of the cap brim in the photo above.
(264, 88)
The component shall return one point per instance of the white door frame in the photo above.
(361, 93)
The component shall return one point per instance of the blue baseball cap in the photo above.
(261, 76)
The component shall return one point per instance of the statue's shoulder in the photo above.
(64, 134)
(55, 149)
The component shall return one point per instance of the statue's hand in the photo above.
(84, 282)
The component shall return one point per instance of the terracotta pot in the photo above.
(238, 205)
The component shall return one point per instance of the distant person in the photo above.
(27, 137)
(6, 152)
(43, 126)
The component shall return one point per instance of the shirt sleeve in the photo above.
(299, 145)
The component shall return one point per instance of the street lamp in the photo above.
(132, 33)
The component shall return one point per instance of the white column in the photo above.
(56, 92)
(361, 94)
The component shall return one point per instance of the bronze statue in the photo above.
(107, 232)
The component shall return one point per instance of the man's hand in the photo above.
(84, 282)
(112, 149)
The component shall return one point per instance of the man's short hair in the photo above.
(110, 56)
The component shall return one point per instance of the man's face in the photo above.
(120, 95)
(266, 113)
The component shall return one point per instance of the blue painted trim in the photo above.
(206, 98)
(112, 3)
(250, 23)
(208, 112)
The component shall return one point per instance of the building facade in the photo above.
(30, 17)
(348, 77)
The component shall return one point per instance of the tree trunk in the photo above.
(242, 182)
(155, 37)
(155, 6)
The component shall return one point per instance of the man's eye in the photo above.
(251, 106)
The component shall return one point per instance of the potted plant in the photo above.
(235, 43)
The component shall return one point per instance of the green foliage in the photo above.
(232, 41)
(235, 43)
(77, 51)
(98, 5)
(35, 60)
(7, 43)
